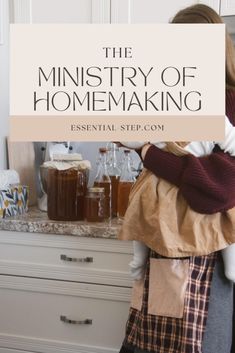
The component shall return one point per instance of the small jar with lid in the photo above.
(95, 205)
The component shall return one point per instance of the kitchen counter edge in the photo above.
(36, 221)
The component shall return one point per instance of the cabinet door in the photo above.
(60, 11)
(71, 258)
(227, 7)
(58, 316)
(150, 11)
(215, 4)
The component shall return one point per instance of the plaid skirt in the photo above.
(164, 334)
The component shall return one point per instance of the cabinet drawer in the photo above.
(81, 260)
(42, 309)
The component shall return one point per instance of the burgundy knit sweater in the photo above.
(207, 183)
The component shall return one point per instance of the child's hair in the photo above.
(201, 13)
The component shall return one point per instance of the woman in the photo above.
(208, 185)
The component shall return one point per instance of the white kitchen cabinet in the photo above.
(72, 11)
(45, 301)
(37, 314)
(149, 11)
(60, 11)
(102, 261)
(227, 7)
(223, 7)
(215, 4)
(108, 11)
(152, 11)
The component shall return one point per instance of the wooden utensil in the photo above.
(21, 157)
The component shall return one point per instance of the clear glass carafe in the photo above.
(102, 180)
(126, 181)
(114, 174)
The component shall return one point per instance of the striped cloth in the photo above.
(160, 334)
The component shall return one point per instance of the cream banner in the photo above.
(141, 82)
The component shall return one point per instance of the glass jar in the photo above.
(95, 205)
(66, 189)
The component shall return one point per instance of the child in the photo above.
(182, 237)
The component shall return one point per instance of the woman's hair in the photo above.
(200, 13)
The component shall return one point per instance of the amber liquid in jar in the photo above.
(114, 187)
(80, 207)
(65, 195)
(94, 206)
(124, 189)
(107, 196)
(81, 192)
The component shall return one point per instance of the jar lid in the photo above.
(64, 165)
(67, 157)
(96, 189)
(103, 150)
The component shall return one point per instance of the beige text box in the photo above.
(117, 128)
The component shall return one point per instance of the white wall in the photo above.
(4, 85)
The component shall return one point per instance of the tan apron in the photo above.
(160, 217)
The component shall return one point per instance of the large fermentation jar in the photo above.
(66, 189)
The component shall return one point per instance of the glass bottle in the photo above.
(126, 181)
(102, 180)
(114, 174)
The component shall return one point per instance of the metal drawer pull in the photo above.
(75, 322)
(74, 259)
